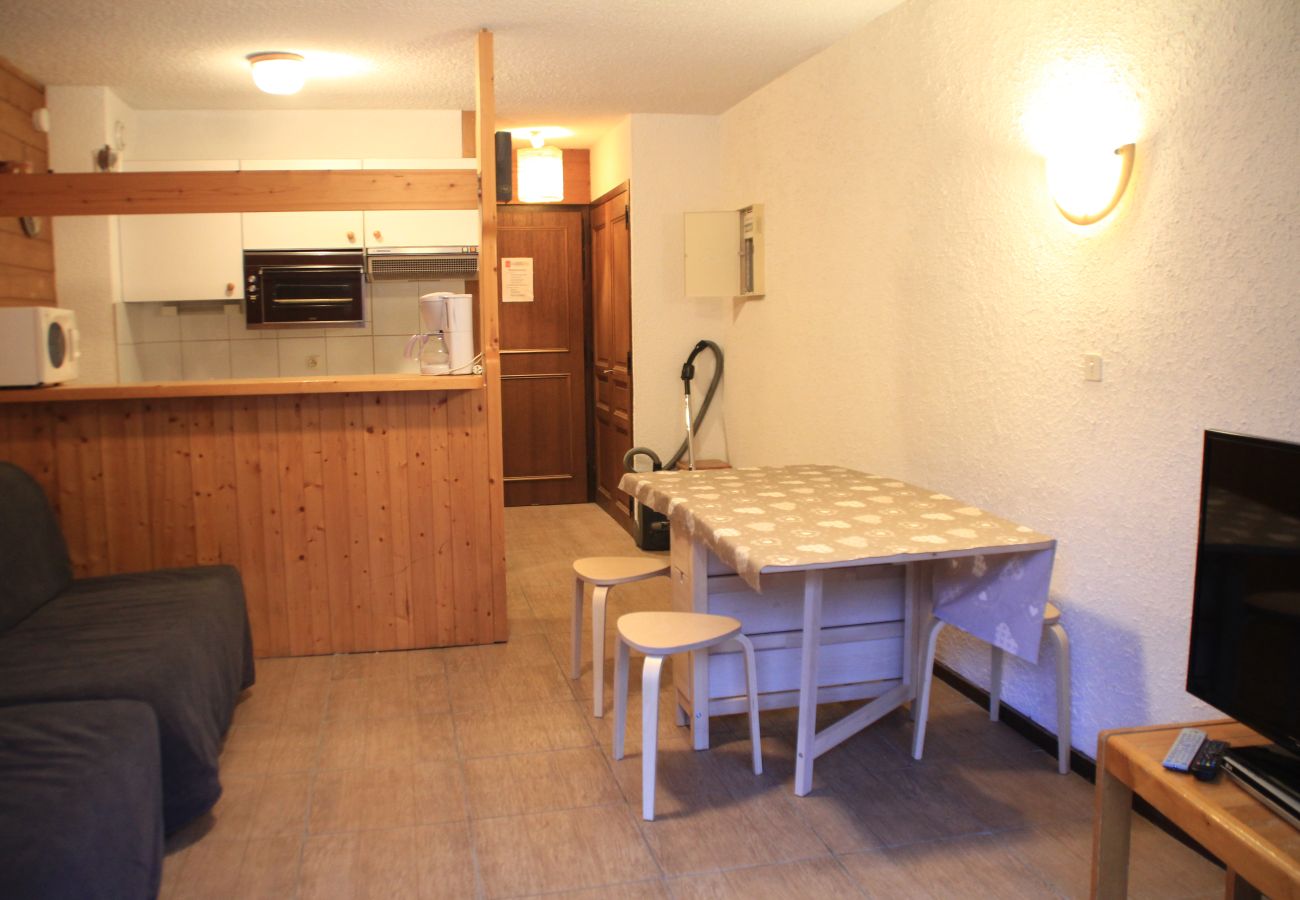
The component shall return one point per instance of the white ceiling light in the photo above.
(541, 173)
(279, 72)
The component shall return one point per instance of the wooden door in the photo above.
(612, 346)
(543, 358)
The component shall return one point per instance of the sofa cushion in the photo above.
(34, 564)
(80, 801)
(176, 639)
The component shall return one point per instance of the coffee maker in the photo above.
(446, 345)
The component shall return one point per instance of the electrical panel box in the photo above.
(724, 253)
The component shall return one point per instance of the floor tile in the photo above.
(555, 851)
(360, 799)
(538, 782)
(521, 729)
(422, 863)
(977, 866)
(805, 878)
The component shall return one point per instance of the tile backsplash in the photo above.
(196, 341)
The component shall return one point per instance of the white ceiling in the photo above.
(580, 63)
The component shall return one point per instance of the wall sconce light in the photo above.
(541, 172)
(279, 72)
(1083, 108)
(1085, 185)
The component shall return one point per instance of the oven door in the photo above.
(290, 291)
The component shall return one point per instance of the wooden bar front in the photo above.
(359, 520)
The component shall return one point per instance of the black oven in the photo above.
(286, 287)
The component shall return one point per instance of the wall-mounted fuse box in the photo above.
(724, 253)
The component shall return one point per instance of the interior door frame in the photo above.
(623, 188)
(588, 314)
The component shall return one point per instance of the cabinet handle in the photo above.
(352, 237)
(607, 372)
(230, 288)
(379, 235)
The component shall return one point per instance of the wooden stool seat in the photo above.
(607, 571)
(658, 635)
(603, 573)
(666, 633)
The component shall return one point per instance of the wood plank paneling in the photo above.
(26, 264)
(358, 521)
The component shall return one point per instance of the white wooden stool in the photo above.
(1051, 626)
(603, 573)
(660, 634)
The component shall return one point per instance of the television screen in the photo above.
(1245, 647)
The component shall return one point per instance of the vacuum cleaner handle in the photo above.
(688, 367)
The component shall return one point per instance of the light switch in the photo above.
(1092, 367)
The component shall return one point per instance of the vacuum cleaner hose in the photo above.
(688, 374)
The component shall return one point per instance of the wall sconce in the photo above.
(541, 172)
(1083, 108)
(1085, 185)
(279, 72)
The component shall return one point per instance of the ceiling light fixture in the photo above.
(279, 72)
(541, 172)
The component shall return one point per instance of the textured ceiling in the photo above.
(578, 62)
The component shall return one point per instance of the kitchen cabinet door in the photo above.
(193, 256)
(327, 230)
(422, 227)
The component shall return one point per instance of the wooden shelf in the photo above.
(244, 387)
(125, 193)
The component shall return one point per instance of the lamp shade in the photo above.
(541, 175)
(278, 73)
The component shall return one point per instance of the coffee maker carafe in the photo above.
(446, 345)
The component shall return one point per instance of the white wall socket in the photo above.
(1092, 367)
(313, 361)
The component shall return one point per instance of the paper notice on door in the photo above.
(517, 279)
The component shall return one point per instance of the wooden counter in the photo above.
(242, 387)
(359, 510)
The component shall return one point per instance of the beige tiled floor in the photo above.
(479, 772)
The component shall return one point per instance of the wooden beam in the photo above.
(125, 193)
(485, 106)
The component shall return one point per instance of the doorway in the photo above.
(543, 357)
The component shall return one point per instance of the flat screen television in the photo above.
(1245, 644)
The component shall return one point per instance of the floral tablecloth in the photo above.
(776, 518)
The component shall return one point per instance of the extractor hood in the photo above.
(421, 263)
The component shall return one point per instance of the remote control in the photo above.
(1206, 765)
(1183, 751)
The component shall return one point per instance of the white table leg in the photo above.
(812, 627)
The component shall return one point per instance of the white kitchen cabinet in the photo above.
(421, 227)
(319, 230)
(193, 256)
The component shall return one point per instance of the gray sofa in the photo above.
(97, 663)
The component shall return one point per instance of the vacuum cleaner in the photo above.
(650, 529)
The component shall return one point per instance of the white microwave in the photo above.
(38, 345)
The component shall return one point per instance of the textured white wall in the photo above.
(931, 306)
(675, 167)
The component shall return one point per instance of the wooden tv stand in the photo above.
(1260, 849)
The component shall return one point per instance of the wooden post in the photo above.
(490, 340)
